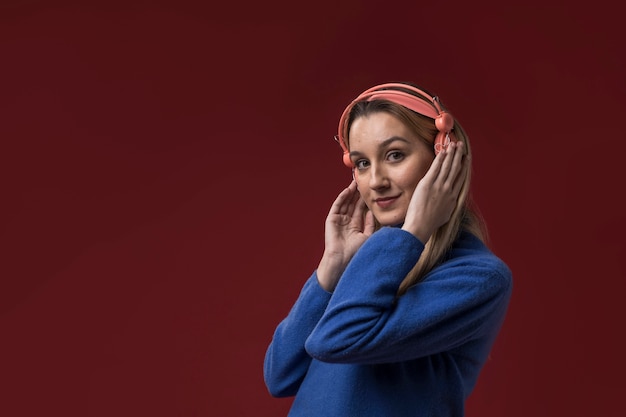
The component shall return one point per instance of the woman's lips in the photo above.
(385, 202)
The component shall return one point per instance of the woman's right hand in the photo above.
(348, 225)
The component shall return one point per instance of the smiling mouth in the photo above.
(385, 202)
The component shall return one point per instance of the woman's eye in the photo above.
(395, 156)
(361, 163)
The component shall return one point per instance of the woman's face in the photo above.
(389, 161)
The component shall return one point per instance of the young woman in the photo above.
(401, 313)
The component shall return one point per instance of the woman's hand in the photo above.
(436, 194)
(348, 225)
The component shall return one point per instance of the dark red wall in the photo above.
(166, 168)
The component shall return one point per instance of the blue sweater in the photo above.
(362, 351)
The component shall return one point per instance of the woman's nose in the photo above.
(378, 177)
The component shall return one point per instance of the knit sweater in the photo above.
(363, 351)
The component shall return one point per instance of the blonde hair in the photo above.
(465, 215)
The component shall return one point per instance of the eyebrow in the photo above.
(383, 144)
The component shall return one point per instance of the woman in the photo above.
(401, 313)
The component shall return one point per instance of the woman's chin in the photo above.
(391, 221)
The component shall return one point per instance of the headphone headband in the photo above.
(428, 106)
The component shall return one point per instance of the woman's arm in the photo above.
(365, 321)
(347, 227)
(286, 361)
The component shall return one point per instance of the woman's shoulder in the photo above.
(471, 255)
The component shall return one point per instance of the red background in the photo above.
(166, 168)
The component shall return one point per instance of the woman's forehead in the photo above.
(377, 124)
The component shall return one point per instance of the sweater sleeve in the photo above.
(365, 321)
(286, 361)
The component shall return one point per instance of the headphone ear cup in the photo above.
(444, 122)
(346, 160)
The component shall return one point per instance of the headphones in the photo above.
(430, 107)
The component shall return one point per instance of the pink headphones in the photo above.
(430, 108)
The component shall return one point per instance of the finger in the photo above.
(352, 185)
(339, 206)
(460, 180)
(357, 216)
(352, 199)
(433, 172)
(455, 166)
(368, 229)
(349, 198)
(447, 164)
(357, 220)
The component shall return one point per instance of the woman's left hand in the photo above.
(436, 194)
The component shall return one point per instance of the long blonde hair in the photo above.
(465, 215)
